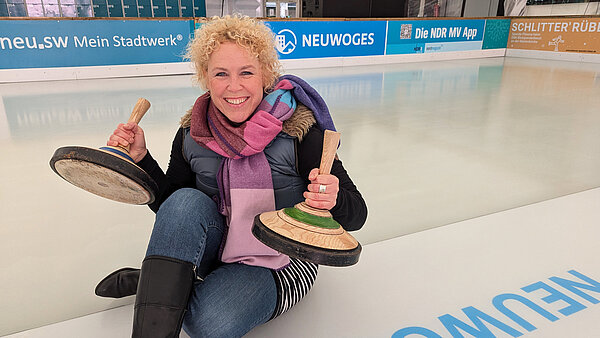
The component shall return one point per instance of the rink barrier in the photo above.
(36, 50)
(50, 49)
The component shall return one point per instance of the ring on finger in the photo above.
(322, 188)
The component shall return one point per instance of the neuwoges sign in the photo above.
(301, 39)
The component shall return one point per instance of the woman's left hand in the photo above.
(322, 190)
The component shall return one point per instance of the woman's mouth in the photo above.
(237, 100)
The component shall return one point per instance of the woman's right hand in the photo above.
(132, 135)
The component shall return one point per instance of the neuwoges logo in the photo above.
(286, 41)
(59, 42)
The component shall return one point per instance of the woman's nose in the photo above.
(235, 83)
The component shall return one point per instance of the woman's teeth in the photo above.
(236, 101)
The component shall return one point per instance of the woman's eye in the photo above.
(221, 74)
(247, 73)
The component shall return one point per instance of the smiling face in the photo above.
(234, 79)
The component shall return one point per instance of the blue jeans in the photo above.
(228, 300)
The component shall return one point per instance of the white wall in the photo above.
(480, 8)
(589, 8)
(131, 71)
(251, 8)
(451, 8)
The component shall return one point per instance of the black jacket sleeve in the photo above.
(179, 173)
(350, 209)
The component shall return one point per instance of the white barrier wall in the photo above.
(584, 8)
(41, 50)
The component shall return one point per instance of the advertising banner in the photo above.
(574, 35)
(431, 36)
(496, 33)
(44, 44)
(304, 39)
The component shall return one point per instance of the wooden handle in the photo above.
(141, 107)
(331, 141)
(139, 110)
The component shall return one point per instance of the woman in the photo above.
(251, 144)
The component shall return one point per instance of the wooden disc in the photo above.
(303, 251)
(321, 245)
(334, 239)
(104, 174)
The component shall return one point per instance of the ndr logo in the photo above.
(286, 41)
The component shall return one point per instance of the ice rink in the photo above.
(481, 177)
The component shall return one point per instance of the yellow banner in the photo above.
(574, 35)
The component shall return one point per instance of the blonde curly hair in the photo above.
(248, 33)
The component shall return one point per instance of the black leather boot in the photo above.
(118, 284)
(163, 291)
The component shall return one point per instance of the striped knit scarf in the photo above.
(245, 183)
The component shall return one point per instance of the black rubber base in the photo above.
(109, 161)
(292, 248)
